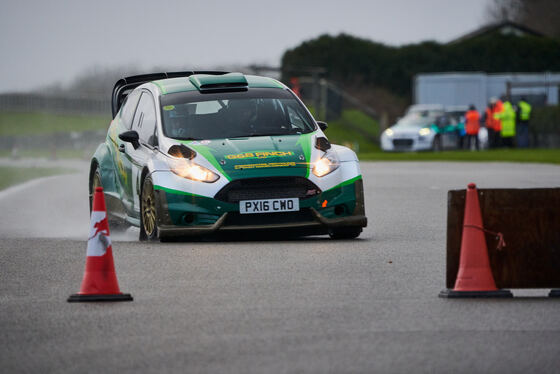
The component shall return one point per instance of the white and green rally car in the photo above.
(193, 153)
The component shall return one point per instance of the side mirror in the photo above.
(130, 137)
(322, 125)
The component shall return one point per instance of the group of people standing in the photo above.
(503, 122)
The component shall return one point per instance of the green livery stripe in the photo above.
(346, 183)
(161, 87)
(207, 154)
(304, 142)
(176, 192)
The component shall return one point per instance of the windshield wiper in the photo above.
(293, 131)
(248, 136)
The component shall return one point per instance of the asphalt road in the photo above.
(311, 305)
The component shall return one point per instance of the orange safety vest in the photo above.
(498, 108)
(473, 122)
(489, 120)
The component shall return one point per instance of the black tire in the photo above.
(148, 211)
(345, 233)
(94, 182)
(115, 224)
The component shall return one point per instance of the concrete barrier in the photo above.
(529, 220)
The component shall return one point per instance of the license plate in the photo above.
(268, 206)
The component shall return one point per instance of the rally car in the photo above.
(194, 153)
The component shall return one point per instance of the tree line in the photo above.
(350, 60)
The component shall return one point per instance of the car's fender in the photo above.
(344, 154)
(349, 169)
(104, 161)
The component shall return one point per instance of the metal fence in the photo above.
(329, 100)
(18, 102)
(79, 144)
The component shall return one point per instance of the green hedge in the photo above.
(351, 59)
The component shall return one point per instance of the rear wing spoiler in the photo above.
(125, 85)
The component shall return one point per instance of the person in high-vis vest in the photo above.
(497, 108)
(523, 116)
(489, 124)
(507, 117)
(472, 119)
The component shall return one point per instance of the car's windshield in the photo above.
(256, 112)
(417, 119)
(456, 116)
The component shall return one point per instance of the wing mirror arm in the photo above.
(322, 125)
(130, 137)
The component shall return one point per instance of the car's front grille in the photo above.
(402, 143)
(237, 219)
(267, 188)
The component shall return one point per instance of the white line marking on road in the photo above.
(22, 186)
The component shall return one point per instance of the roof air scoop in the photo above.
(181, 151)
(219, 83)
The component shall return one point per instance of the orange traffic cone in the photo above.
(474, 278)
(100, 280)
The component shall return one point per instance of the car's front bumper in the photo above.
(400, 143)
(181, 214)
(321, 225)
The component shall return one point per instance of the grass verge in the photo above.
(83, 154)
(10, 176)
(37, 123)
(353, 129)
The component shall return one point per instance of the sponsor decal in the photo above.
(266, 165)
(259, 155)
(169, 107)
(120, 167)
(113, 131)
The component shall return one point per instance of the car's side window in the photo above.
(145, 120)
(128, 108)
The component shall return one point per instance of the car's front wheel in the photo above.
(345, 233)
(148, 214)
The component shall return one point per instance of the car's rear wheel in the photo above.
(345, 233)
(148, 214)
(95, 182)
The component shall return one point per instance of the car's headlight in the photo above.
(424, 131)
(191, 170)
(389, 132)
(326, 164)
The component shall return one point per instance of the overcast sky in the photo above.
(46, 41)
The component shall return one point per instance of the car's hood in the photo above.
(259, 156)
